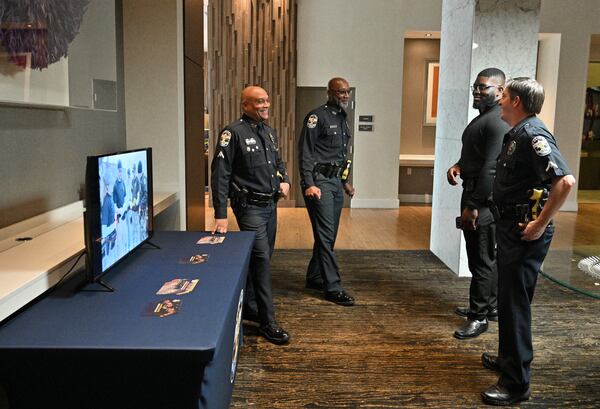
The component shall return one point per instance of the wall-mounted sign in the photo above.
(365, 128)
(365, 118)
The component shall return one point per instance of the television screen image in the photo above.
(118, 206)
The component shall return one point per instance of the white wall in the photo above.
(363, 41)
(153, 54)
(576, 23)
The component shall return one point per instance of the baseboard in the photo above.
(374, 203)
(415, 198)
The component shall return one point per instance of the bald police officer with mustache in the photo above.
(248, 169)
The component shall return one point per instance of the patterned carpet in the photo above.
(395, 349)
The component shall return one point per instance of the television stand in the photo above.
(154, 246)
(98, 286)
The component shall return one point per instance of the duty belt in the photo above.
(260, 199)
(253, 198)
(517, 211)
(329, 170)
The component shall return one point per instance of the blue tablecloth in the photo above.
(110, 342)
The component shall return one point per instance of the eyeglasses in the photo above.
(481, 87)
(342, 91)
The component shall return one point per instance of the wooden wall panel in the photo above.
(253, 42)
(195, 162)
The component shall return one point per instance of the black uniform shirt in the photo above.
(324, 139)
(247, 154)
(529, 159)
(481, 144)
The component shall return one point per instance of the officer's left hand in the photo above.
(469, 219)
(284, 188)
(349, 189)
(533, 231)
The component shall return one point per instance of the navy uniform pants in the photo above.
(518, 265)
(481, 255)
(324, 216)
(262, 221)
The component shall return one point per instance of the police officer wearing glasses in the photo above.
(532, 183)
(481, 143)
(323, 164)
(248, 169)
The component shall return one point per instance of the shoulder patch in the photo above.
(225, 138)
(511, 148)
(541, 146)
(312, 121)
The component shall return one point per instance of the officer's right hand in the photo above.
(220, 226)
(453, 174)
(313, 192)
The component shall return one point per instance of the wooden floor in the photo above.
(407, 228)
(395, 349)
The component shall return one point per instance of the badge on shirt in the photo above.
(250, 141)
(541, 146)
(225, 138)
(312, 121)
(511, 148)
(220, 155)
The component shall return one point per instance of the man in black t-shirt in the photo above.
(481, 143)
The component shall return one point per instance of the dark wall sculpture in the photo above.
(43, 28)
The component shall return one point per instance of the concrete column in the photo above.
(476, 34)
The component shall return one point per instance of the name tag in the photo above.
(333, 126)
(250, 141)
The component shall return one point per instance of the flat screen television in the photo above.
(118, 207)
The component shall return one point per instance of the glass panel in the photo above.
(577, 269)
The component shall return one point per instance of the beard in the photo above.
(340, 103)
(485, 101)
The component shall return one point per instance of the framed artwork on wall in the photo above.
(431, 93)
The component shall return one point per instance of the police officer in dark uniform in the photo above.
(532, 183)
(481, 143)
(248, 169)
(323, 150)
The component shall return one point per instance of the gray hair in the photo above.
(529, 91)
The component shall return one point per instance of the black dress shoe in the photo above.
(250, 315)
(315, 285)
(490, 361)
(500, 396)
(274, 333)
(340, 297)
(471, 329)
(464, 312)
